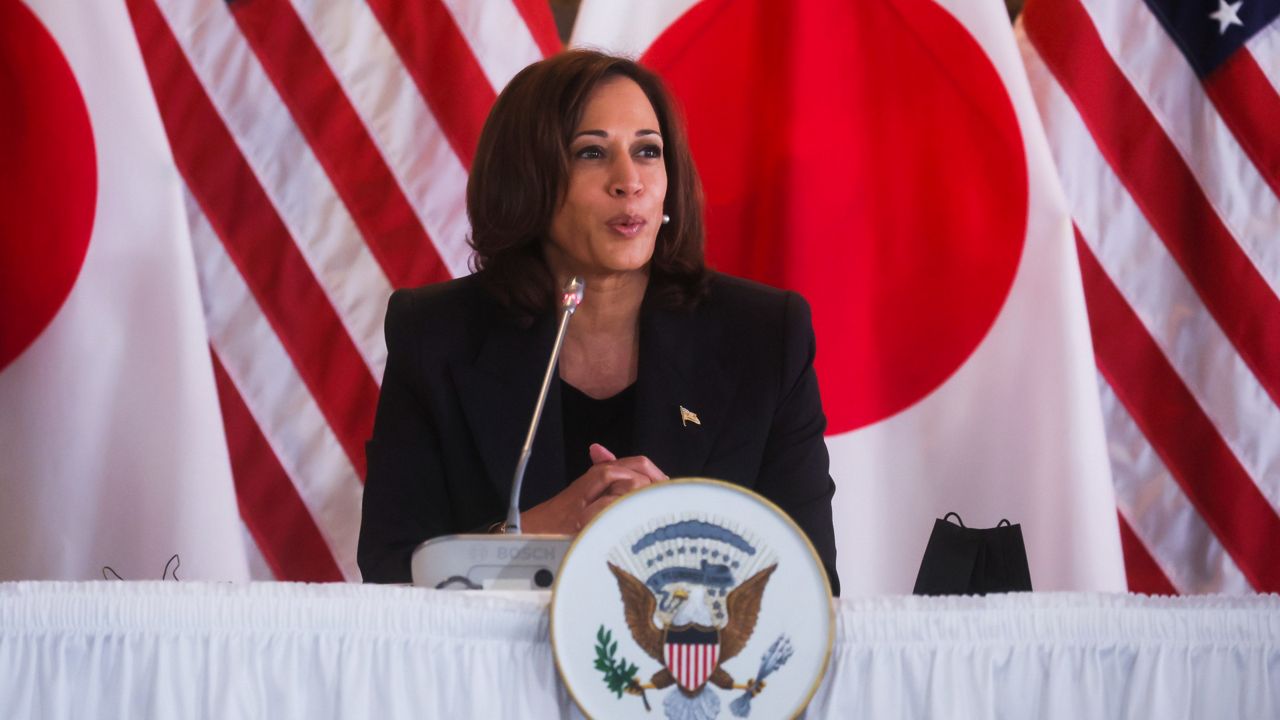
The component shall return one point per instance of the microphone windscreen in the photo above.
(571, 296)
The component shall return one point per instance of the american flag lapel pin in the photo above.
(688, 416)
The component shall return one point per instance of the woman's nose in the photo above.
(626, 178)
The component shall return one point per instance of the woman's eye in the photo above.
(651, 151)
(591, 152)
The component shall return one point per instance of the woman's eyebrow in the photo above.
(603, 134)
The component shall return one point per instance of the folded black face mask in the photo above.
(973, 561)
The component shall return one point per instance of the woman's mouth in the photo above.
(626, 225)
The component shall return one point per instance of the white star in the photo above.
(1227, 14)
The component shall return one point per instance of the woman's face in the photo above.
(612, 210)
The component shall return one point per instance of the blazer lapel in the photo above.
(682, 392)
(681, 367)
(498, 391)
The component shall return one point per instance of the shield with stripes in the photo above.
(692, 653)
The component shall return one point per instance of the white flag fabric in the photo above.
(113, 452)
(886, 160)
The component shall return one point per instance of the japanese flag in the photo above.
(111, 444)
(885, 159)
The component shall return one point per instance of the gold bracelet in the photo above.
(498, 528)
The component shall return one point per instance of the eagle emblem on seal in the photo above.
(691, 591)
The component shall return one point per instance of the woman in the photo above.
(667, 369)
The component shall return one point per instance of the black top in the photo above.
(608, 421)
(462, 378)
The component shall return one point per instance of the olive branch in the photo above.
(618, 673)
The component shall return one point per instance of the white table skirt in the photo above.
(278, 650)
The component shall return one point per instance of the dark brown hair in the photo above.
(521, 170)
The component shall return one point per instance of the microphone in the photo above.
(570, 299)
(512, 560)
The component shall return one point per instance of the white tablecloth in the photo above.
(277, 650)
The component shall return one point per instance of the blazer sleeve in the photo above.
(404, 499)
(795, 469)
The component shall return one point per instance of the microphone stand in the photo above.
(570, 298)
(511, 560)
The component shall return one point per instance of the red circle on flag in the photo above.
(48, 190)
(867, 155)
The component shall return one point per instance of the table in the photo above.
(284, 650)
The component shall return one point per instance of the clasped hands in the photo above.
(608, 479)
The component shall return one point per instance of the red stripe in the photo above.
(710, 664)
(1179, 431)
(437, 56)
(713, 653)
(537, 15)
(700, 665)
(1145, 576)
(269, 504)
(256, 239)
(695, 665)
(340, 141)
(1249, 106)
(1161, 183)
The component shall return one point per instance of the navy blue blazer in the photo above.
(462, 377)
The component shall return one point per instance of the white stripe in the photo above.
(398, 119)
(498, 36)
(283, 162)
(1154, 286)
(695, 665)
(280, 404)
(625, 28)
(1159, 512)
(1265, 48)
(700, 667)
(1161, 76)
(259, 570)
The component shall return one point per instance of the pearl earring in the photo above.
(666, 219)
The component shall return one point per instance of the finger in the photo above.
(593, 483)
(626, 477)
(600, 453)
(644, 466)
(594, 509)
(597, 479)
(622, 486)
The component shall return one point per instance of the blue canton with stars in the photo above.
(1209, 31)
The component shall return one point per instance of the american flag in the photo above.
(1164, 119)
(324, 148)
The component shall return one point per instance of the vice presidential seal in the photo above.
(722, 602)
